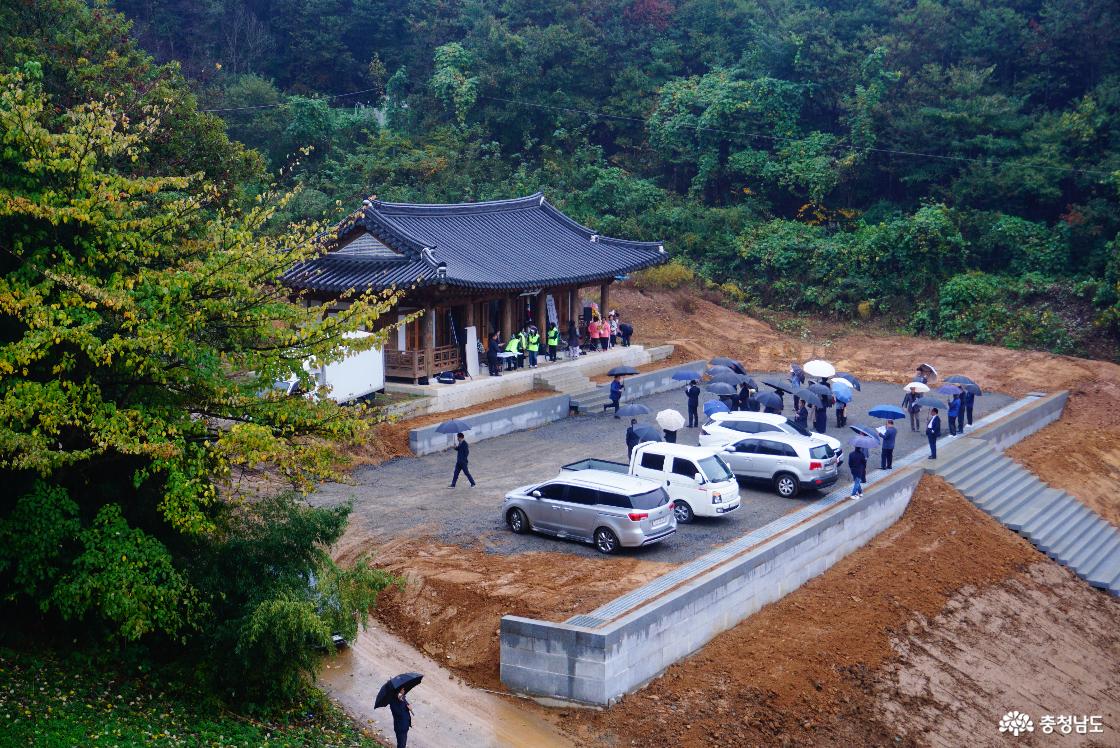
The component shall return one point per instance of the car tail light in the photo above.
(637, 516)
(816, 465)
(671, 505)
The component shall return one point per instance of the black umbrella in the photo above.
(622, 371)
(930, 402)
(959, 379)
(973, 388)
(866, 432)
(769, 400)
(820, 389)
(810, 397)
(781, 385)
(722, 388)
(733, 379)
(647, 433)
(730, 363)
(849, 378)
(633, 409)
(452, 427)
(717, 370)
(407, 681)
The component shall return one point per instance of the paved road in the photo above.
(410, 495)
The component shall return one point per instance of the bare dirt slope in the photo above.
(912, 629)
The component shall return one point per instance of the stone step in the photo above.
(1105, 569)
(1097, 538)
(980, 466)
(986, 476)
(955, 470)
(1042, 497)
(1041, 523)
(1071, 539)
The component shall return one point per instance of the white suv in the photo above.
(726, 427)
(788, 462)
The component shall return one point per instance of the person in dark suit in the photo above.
(492, 349)
(462, 455)
(857, 463)
(692, 392)
(886, 461)
(632, 439)
(802, 418)
(933, 431)
(616, 395)
(402, 716)
(744, 396)
(820, 419)
(969, 399)
(954, 414)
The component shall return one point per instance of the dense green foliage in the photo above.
(49, 703)
(141, 321)
(876, 149)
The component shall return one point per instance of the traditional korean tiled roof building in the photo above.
(488, 266)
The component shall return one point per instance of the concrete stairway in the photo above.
(586, 397)
(1055, 522)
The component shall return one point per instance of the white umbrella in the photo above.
(923, 388)
(818, 368)
(929, 368)
(670, 420)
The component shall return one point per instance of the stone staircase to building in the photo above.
(1053, 521)
(585, 395)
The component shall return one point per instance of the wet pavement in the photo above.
(411, 495)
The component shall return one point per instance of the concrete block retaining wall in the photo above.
(1024, 422)
(493, 423)
(650, 383)
(598, 666)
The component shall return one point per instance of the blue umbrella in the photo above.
(810, 397)
(715, 406)
(686, 376)
(890, 412)
(949, 389)
(730, 363)
(722, 388)
(782, 385)
(769, 400)
(647, 433)
(850, 378)
(452, 427)
(712, 371)
(820, 389)
(930, 402)
(622, 371)
(842, 392)
(973, 388)
(733, 379)
(959, 379)
(864, 431)
(633, 409)
(864, 442)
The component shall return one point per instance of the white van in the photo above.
(697, 479)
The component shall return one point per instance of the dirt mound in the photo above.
(810, 668)
(454, 598)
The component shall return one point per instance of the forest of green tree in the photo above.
(950, 165)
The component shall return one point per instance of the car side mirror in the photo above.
(536, 494)
(698, 478)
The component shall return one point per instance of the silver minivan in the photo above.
(608, 509)
(789, 463)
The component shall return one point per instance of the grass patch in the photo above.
(50, 703)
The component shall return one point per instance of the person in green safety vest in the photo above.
(524, 347)
(534, 340)
(513, 346)
(553, 340)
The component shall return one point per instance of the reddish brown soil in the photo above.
(809, 669)
(454, 598)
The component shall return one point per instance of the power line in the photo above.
(779, 138)
(284, 103)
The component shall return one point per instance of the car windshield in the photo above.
(823, 452)
(715, 469)
(650, 499)
(796, 428)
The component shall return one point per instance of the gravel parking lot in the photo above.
(411, 495)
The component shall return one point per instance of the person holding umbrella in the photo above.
(911, 406)
(933, 431)
(797, 378)
(857, 463)
(462, 456)
(394, 694)
(969, 400)
(890, 433)
(802, 418)
(820, 419)
(692, 392)
(616, 394)
(954, 413)
(632, 439)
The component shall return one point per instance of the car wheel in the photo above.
(605, 540)
(683, 512)
(517, 521)
(786, 485)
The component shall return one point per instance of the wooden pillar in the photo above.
(429, 340)
(470, 314)
(541, 314)
(605, 299)
(507, 316)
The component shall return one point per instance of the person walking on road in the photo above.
(402, 714)
(954, 414)
(692, 392)
(890, 433)
(616, 395)
(857, 463)
(632, 439)
(910, 405)
(969, 399)
(933, 431)
(462, 456)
